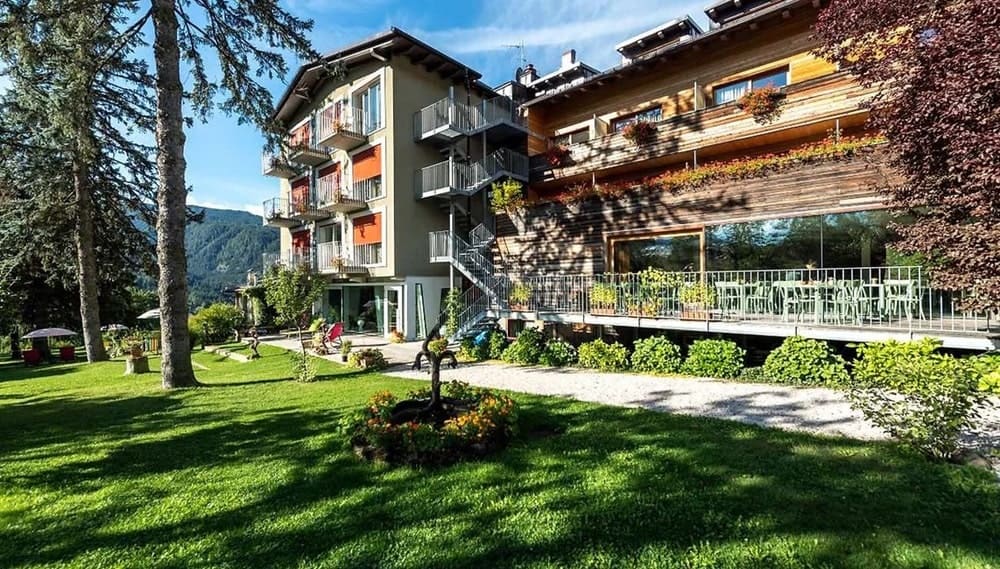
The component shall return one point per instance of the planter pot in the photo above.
(343, 358)
(603, 311)
(519, 307)
(67, 353)
(136, 351)
(694, 311)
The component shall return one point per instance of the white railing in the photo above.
(498, 110)
(368, 189)
(463, 119)
(336, 257)
(276, 208)
(289, 258)
(897, 298)
(330, 189)
(369, 255)
(340, 118)
(270, 162)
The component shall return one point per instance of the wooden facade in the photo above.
(574, 239)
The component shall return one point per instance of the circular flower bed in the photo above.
(470, 423)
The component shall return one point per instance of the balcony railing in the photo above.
(886, 298)
(333, 194)
(820, 101)
(290, 259)
(453, 176)
(277, 166)
(335, 257)
(341, 127)
(369, 255)
(278, 212)
(367, 189)
(448, 119)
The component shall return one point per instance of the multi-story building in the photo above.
(758, 225)
(388, 141)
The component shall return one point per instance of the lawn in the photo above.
(102, 470)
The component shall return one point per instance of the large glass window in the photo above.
(568, 138)
(370, 101)
(678, 252)
(654, 114)
(732, 91)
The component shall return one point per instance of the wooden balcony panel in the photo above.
(808, 103)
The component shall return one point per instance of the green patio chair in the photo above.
(760, 300)
(730, 297)
(902, 298)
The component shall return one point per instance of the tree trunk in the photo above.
(435, 406)
(171, 197)
(15, 346)
(86, 263)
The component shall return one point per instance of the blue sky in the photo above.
(224, 158)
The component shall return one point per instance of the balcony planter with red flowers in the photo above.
(557, 156)
(763, 104)
(639, 133)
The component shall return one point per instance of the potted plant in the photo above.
(763, 104)
(520, 295)
(337, 263)
(696, 301)
(345, 350)
(396, 337)
(603, 298)
(557, 155)
(639, 132)
(654, 286)
(67, 351)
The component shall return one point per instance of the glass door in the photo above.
(394, 309)
(371, 105)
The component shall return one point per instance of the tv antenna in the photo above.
(522, 60)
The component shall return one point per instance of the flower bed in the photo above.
(477, 422)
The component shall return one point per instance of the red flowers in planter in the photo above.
(763, 104)
(557, 155)
(639, 132)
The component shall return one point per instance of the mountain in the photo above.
(220, 251)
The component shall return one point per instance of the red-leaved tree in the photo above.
(936, 68)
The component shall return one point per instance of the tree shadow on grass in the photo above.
(619, 487)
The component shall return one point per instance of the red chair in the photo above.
(336, 333)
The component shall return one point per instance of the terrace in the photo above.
(447, 119)
(847, 304)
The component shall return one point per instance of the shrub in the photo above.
(925, 403)
(469, 351)
(879, 363)
(714, 358)
(368, 358)
(345, 347)
(987, 370)
(752, 375)
(497, 343)
(803, 361)
(216, 322)
(557, 353)
(525, 349)
(656, 354)
(303, 367)
(507, 197)
(598, 354)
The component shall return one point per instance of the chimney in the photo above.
(568, 59)
(527, 75)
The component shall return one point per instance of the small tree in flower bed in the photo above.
(639, 132)
(486, 423)
(763, 104)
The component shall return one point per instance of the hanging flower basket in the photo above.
(639, 133)
(557, 156)
(764, 104)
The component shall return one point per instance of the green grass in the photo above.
(101, 470)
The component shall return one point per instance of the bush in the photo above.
(880, 363)
(987, 370)
(368, 358)
(803, 361)
(558, 353)
(497, 344)
(526, 349)
(925, 403)
(656, 354)
(752, 375)
(714, 358)
(598, 354)
(216, 322)
(303, 367)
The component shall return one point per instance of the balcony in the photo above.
(369, 255)
(452, 176)
(368, 189)
(305, 209)
(307, 154)
(844, 304)
(811, 108)
(278, 213)
(277, 166)
(336, 195)
(447, 120)
(290, 259)
(341, 127)
(336, 258)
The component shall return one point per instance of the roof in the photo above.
(724, 10)
(381, 46)
(668, 32)
(641, 62)
(579, 69)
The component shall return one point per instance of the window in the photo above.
(677, 252)
(732, 91)
(654, 114)
(581, 135)
(369, 100)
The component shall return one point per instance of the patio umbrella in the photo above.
(150, 314)
(114, 328)
(48, 333)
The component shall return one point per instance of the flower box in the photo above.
(695, 311)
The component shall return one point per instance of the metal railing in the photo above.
(470, 177)
(330, 189)
(899, 298)
(367, 189)
(463, 119)
(340, 118)
(498, 110)
(276, 208)
(289, 258)
(369, 255)
(270, 162)
(336, 257)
